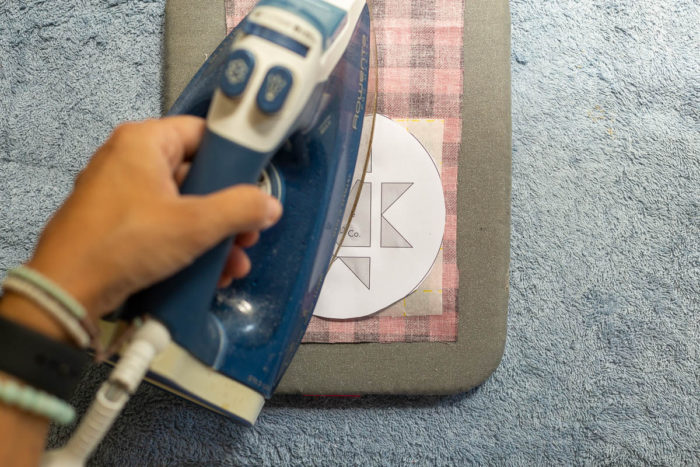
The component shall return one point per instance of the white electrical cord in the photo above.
(148, 341)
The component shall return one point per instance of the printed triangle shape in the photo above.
(360, 267)
(391, 238)
(391, 192)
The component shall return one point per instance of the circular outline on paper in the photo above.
(319, 311)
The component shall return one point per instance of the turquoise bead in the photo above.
(56, 409)
(42, 403)
(65, 415)
(10, 392)
(27, 398)
(37, 402)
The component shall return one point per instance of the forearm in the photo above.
(124, 227)
(23, 434)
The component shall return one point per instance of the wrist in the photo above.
(81, 287)
(23, 311)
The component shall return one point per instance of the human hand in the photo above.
(125, 226)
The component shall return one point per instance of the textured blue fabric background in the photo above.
(602, 363)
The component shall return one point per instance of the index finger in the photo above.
(179, 137)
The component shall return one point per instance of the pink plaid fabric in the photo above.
(419, 45)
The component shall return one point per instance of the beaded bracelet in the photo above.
(36, 402)
(50, 288)
(55, 301)
(68, 321)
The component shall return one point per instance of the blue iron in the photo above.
(286, 96)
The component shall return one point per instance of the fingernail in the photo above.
(274, 211)
(224, 282)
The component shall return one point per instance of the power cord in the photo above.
(148, 341)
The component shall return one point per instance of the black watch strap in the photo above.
(40, 361)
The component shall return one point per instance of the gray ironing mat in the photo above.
(192, 31)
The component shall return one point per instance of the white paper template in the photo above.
(396, 232)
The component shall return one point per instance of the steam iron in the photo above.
(289, 98)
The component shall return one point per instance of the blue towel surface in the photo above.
(602, 362)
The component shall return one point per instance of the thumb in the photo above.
(242, 208)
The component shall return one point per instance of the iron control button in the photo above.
(274, 90)
(237, 72)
